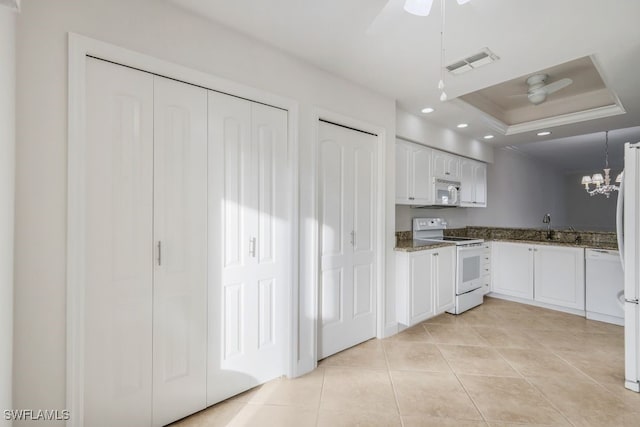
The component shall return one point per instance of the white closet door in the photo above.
(118, 231)
(249, 245)
(347, 238)
(180, 237)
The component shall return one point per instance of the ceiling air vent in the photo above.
(485, 56)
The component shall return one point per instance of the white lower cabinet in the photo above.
(513, 269)
(544, 273)
(425, 283)
(559, 276)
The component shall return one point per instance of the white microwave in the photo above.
(446, 193)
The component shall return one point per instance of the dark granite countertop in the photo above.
(609, 246)
(407, 245)
(568, 238)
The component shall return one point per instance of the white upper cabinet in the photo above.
(473, 183)
(446, 166)
(413, 174)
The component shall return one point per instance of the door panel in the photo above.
(513, 274)
(332, 194)
(445, 279)
(403, 172)
(559, 276)
(249, 245)
(118, 212)
(347, 244)
(480, 178)
(421, 289)
(180, 273)
(422, 183)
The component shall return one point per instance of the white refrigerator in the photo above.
(628, 227)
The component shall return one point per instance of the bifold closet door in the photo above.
(146, 248)
(118, 246)
(347, 244)
(249, 245)
(180, 244)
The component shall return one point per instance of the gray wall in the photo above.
(585, 212)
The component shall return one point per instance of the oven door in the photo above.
(469, 274)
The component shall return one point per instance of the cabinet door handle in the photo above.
(412, 198)
(530, 249)
(159, 252)
(353, 238)
(252, 247)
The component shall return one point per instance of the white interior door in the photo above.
(347, 241)
(180, 272)
(118, 231)
(249, 244)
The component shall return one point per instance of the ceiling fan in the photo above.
(393, 9)
(538, 90)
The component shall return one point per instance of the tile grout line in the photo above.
(540, 392)
(475, 405)
(324, 375)
(393, 387)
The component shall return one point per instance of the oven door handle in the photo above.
(462, 248)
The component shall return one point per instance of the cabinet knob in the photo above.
(412, 198)
(530, 249)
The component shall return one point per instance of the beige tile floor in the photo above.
(500, 364)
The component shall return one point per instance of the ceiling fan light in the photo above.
(537, 97)
(418, 7)
(463, 1)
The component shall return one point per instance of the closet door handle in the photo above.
(159, 252)
(252, 247)
(353, 239)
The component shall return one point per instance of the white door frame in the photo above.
(380, 134)
(79, 48)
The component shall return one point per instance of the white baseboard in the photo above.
(605, 318)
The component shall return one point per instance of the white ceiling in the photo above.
(582, 153)
(400, 56)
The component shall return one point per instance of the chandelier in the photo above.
(602, 185)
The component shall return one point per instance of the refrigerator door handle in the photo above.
(620, 219)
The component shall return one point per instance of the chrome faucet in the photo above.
(546, 219)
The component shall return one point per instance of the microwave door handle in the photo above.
(454, 194)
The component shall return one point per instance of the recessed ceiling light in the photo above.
(545, 133)
(428, 110)
(462, 125)
(488, 137)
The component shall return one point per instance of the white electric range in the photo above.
(469, 291)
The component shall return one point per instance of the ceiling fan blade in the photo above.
(387, 17)
(556, 86)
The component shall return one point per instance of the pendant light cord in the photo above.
(606, 149)
(443, 95)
